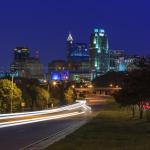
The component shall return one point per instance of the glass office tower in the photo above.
(76, 51)
(99, 53)
(21, 53)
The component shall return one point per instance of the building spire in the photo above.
(70, 38)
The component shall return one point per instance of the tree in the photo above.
(57, 93)
(114, 78)
(8, 92)
(135, 89)
(33, 97)
(42, 97)
(28, 87)
(70, 95)
(54, 102)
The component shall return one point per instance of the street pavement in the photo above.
(20, 137)
(17, 137)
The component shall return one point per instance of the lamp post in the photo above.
(117, 86)
(12, 86)
(48, 93)
(111, 85)
(54, 83)
(73, 86)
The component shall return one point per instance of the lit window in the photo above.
(96, 30)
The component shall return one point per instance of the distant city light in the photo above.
(73, 86)
(111, 85)
(54, 83)
(122, 67)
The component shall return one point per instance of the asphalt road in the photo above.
(17, 137)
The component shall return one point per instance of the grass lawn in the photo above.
(112, 129)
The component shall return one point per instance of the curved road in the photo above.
(18, 137)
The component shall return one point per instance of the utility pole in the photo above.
(48, 92)
(12, 86)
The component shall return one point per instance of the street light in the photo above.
(117, 86)
(111, 85)
(48, 93)
(23, 104)
(54, 83)
(73, 86)
(12, 86)
(90, 86)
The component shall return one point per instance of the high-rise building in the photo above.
(99, 53)
(21, 53)
(76, 51)
(77, 59)
(25, 65)
(34, 68)
(117, 60)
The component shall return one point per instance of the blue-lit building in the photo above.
(58, 70)
(77, 59)
(59, 75)
(117, 60)
(76, 51)
(99, 53)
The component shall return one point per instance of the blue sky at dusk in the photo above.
(44, 25)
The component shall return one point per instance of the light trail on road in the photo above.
(79, 108)
(33, 113)
(27, 121)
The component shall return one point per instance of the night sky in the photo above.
(44, 24)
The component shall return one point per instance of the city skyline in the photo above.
(42, 25)
(74, 74)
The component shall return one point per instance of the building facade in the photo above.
(99, 53)
(25, 65)
(117, 60)
(76, 51)
(21, 53)
(58, 70)
(77, 60)
(132, 62)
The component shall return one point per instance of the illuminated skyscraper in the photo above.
(76, 51)
(99, 54)
(21, 53)
(77, 59)
(25, 65)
